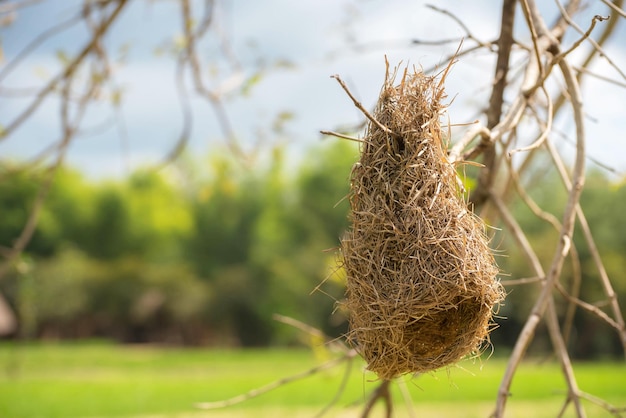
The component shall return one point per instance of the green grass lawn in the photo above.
(106, 380)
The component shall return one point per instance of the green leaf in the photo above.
(252, 81)
(62, 57)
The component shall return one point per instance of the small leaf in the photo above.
(41, 72)
(247, 86)
(284, 64)
(116, 97)
(281, 120)
(62, 57)
(180, 42)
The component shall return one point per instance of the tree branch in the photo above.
(494, 112)
(67, 73)
(274, 385)
(381, 392)
(565, 238)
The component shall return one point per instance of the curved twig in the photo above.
(42, 37)
(276, 384)
(359, 106)
(593, 249)
(380, 393)
(66, 73)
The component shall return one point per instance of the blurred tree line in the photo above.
(204, 253)
(207, 252)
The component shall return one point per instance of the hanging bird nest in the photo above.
(421, 278)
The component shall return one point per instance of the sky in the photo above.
(292, 48)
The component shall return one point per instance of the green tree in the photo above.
(109, 230)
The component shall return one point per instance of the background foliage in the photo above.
(207, 256)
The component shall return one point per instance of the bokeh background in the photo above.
(202, 249)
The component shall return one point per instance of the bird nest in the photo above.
(421, 278)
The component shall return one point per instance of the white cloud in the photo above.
(304, 33)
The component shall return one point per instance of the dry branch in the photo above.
(380, 393)
(593, 249)
(278, 383)
(67, 73)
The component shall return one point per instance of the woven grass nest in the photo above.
(421, 278)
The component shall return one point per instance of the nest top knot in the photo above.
(414, 102)
(421, 279)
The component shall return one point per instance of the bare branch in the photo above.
(615, 411)
(589, 308)
(274, 385)
(300, 325)
(28, 49)
(496, 100)
(587, 34)
(468, 32)
(191, 59)
(597, 46)
(358, 104)
(566, 364)
(583, 70)
(185, 107)
(524, 280)
(615, 7)
(593, 249)
(544, 132)
(567, 228)
(381, 392)
(518, 235)
(455, 153)
(68, 127)
(342, 136)
(67, 73)
(537, 50)
(342, 387)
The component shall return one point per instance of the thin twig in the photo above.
(468, 32)
(406, 395)
(607, 32)
(596, 45)
(185, 107)
(615, 7)
(300, 325)
(615, 411)
(358, 104)
(380, 393)
(455, 153)
(274, 385)
(588, 307)
(190, 57)
(66, 73)
(340, 390)
(593, 249)
(566, 363)
(587, 34)
(525, 280)
(32, 45)
(534, 36)
(342, 136)
(563, 245)
(68, 130)
(496, 101)
(583, 70)
(545, 132)
(16, 5)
